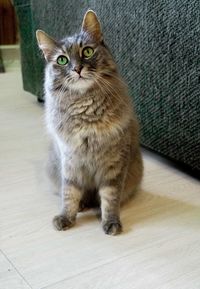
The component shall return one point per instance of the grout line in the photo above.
(88, 270)
(27, 283)
(130, 253)
(78, 274)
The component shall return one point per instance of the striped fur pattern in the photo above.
(95, 157)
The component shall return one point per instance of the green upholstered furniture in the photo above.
(157, 47)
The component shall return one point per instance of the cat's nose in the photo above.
(78, 68)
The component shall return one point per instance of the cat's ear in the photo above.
(92, 26)
(45, 43)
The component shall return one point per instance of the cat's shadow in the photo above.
(144, 207)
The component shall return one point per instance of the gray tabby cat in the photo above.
(95, 147)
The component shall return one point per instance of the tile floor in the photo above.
(160, 246)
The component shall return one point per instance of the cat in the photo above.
(95, 153)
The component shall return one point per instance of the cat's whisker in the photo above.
(109, 88)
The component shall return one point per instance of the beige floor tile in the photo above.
(9, 277)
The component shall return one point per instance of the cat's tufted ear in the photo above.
(92, 26)
(45, 43)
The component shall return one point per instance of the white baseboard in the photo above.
(11, 56)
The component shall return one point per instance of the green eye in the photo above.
(62, 60)
(88, 52)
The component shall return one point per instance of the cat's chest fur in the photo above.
(79, 126)
(85, 129)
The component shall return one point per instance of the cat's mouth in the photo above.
(80, 83)
(80, 77)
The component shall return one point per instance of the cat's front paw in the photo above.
(111, 227)
(62, 223)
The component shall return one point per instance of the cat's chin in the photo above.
(81, 85)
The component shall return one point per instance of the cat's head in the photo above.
(80, 61)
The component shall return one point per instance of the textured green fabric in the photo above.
(32, 65)
(157, 47)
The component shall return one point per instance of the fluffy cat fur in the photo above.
(95, 155)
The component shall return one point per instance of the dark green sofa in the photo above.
(157, 47)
